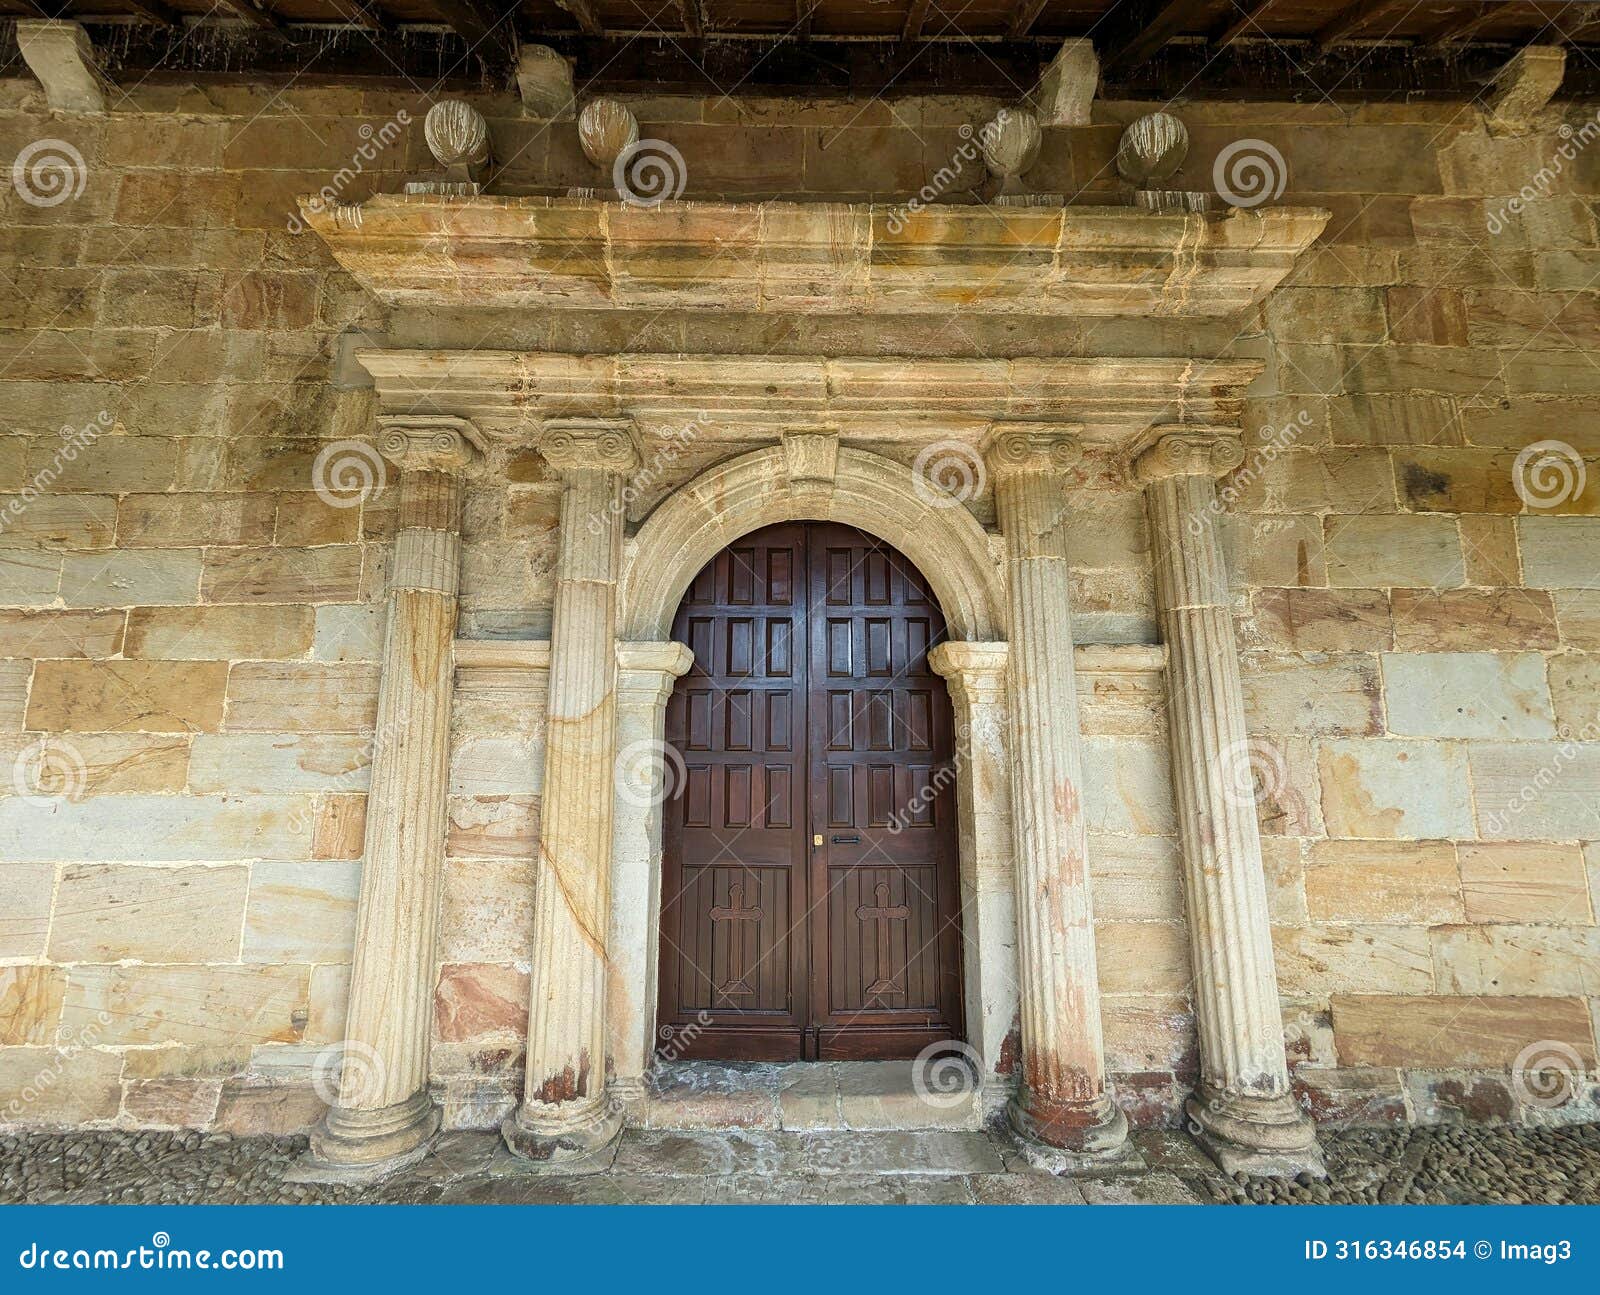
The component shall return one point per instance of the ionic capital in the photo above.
(1186, 450)
(424, 442)
(605, 445)
(1043, 449)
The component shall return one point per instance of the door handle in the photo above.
(847, 840)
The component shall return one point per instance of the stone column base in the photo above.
(580, 1143)
(1083, 1138)
(359, 1146)
(1265, 1137)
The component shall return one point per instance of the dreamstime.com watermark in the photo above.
(946, 177)
(354, 779)
(675, 442)
(1242, 478)
(649, 172)
(1573, 142)
(49, 172)
(374, 141)
(60, 1060)
(159, 1256)
(1548, 1074)
(74, 440)
(1497, 821)
(1249, 172)
(345, 474)
(1547, 474)
(918, 811)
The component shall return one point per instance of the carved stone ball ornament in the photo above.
(1152, 148)
(1010, 145)
(457, 135)
(605, 129)
(1190, 452)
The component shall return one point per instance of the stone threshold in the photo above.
(822, 1166)
(806, 1096)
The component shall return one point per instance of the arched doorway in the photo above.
(810, 903)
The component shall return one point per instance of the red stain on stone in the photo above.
(1066, 799)
(558, 1088)
(1010, 1049)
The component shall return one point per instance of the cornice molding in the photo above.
(816, 258)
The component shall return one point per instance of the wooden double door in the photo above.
(810, 890)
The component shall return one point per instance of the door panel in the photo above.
(884, 937)
(734, 880)
(810, 711)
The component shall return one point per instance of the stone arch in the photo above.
(877, 495)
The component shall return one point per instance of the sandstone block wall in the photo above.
(189, 630)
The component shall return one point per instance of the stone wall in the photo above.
(189, 628)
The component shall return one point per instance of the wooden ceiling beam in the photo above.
(153, 11)
(916, 16)
(1145, 28)
(1465, 25)
(356, 14)
(1023, 16)
(583, 12)
(1260, 71)
(258, 16)
(1249, 11)
(489, 34)
(1348, 22)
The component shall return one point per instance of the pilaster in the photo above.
(975, 674)
(647, 775)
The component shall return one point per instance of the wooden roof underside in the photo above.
(1159, 48)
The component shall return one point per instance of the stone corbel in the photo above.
(1523, 89)
(62, 57)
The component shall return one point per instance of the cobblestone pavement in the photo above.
(1457, 1164)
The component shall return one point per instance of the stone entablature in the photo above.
(814, 258)
(1112, 400)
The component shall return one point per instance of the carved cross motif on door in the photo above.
(736, 912)
(883, 913)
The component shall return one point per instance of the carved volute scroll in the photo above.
(1183, 450)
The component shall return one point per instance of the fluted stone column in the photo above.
(1063, 1101)
(975, 674)
(646, 775)
(1243, 1113)
(566, 1113)
(384, 1117)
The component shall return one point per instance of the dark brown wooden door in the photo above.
(809, 890)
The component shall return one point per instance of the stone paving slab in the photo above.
(1469, 1163)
